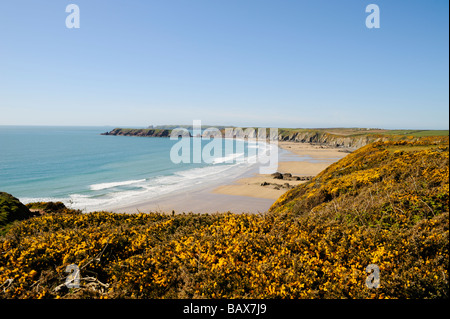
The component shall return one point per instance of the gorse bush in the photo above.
(385, 204)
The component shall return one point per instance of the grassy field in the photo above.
(358, 132)
(418, 133)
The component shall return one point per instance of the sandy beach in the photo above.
(314, 159)
(247, 194)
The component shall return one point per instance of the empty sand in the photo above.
(199, 202)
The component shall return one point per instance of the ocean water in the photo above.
(89, 171)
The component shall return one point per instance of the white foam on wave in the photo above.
(97, 187)
(153, 188)
(110, 195)
(27, 200)
(231, 157)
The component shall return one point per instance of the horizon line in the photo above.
(287, 127)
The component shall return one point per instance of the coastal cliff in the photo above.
(139, 132)
(329, 139)
(346, 138)
(303, 136)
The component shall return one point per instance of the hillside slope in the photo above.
(384, 204)
(11, 209)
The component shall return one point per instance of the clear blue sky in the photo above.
(281, 63)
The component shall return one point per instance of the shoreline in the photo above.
(245, 194)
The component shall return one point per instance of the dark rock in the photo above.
(277, 175)
(47, 207)
(305, 178)
(139, 132)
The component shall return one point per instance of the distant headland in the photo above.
(352, 138)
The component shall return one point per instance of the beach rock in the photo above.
(277, 175)
(290, 177)
(305, 178)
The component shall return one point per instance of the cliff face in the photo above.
(313, 137)
(327, 139)
(341, 138)
(354, 138)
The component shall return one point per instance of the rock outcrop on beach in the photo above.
(289, 177)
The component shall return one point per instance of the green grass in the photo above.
(418, 133)
(409, 148)
(11, 209)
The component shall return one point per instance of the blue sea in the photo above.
(89, 171)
